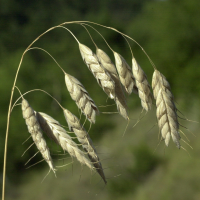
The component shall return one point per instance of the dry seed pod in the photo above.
(54, 130)
(167, 118)
(125, 74)
(102, 76)
(143, 86)
(119, 94)
(84, 138)
(81, 97)
(35, 130)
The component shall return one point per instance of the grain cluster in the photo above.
(84, 138)
(142, 84)
(103, 78)
(35, 130)
(166, 110)
(55, 131)
(79, 94)
(120, 99)
(125, 74)
(116, 80)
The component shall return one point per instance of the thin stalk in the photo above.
(10, 105)
(111, 28)
(15, 80)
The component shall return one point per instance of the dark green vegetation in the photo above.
(169, 31)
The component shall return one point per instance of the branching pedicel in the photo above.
(110, 78)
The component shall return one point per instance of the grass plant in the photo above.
(114, 80)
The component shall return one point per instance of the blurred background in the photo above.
(137, 165)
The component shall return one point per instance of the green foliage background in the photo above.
(168, 30)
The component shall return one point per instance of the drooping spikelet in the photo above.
(54, 130)
(160, 81)
(119, 94)
(102, 76)
(120, 99)
(142, 84)
(166, 109)
(84, 138)
(125, 74)
(81, 97)
(35, 130)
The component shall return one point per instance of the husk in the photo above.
(120, 99)
(35, 130)
(103, 78)
(84, 138)
(54, 130)
(143, 86)
(79, 94)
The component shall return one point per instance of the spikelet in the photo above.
(84, 138)
(35, 130)
(125, 74)
(159, 80)
(102, 76)
(166, 109)
(143, 86)
(106, 61)
(119, 94)
(120, 98)
(54, 130)
(79, 94)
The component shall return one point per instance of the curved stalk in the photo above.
(15, 80)
(9, 109)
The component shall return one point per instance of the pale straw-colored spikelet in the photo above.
(125, 74)
(106, 62)
(84, 138)
(79, 94)
(119, 94)
(159, 80)
(103, 78)
(142, 84)
(166, 110)
(55, 131)
(120, 99)
(156, 83)
(35, 130)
